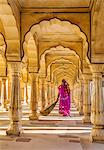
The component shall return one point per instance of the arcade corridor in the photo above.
(43, 42)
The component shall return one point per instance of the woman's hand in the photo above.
(57, 98)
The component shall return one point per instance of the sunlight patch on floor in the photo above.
(59, 118)
(56, 131)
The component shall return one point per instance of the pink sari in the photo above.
(64, 101)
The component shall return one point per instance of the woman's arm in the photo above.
(58, 96)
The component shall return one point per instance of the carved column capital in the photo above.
(87, 77)
(14, 68)
(34, 76)
(4, 79)
(97, 68)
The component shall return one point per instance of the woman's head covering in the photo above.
(63, 80)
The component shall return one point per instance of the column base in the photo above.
(81, 113)
(77, 108)
(2, 108)
(15, 128)
(86, 119)
(97, 133)
(33, 117)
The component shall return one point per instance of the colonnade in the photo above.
(89, 103)
(89, 100)
(81, 96)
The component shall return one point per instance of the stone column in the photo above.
(33, 102)
(9, 89)
(42, 96)
(80, 98)
(45, 90)
(0, 92)
(25, 94)
(97, 107)
(76, 96)
(3, 93)
(15, 126)
(39, 93)
(86, 99)
(49, 92)
(52, 92)
(37, 87)
(56, 92)
(72, 96)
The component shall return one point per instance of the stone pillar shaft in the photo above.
(25, 93)
(39, 93)
(86, 101)
(15, 126)
(3, 94)
(49, 92)
(43, 98)
(97, 108)
(52, 92)
(80, 99)
(9, 89)
(33, 102)
(56, 92)
(0, 93)
(76, 96)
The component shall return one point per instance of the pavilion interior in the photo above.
(41, 43)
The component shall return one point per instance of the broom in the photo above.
(47, 111)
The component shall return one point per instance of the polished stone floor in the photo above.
(51, 132)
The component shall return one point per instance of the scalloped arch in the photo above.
(2, 56)
(65, 72)
(63, 69)
(58, 60)
(60, 48)
(55, 26)
(62, 60)
(57, 48)
(10, 27)
(62, 27)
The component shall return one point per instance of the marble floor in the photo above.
(51, 132)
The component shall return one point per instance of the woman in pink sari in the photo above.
(64, 98)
